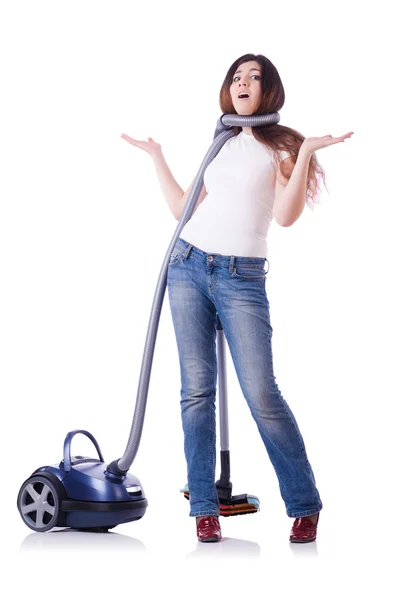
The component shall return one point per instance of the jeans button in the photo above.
(210, 258)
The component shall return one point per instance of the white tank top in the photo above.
(235, 216)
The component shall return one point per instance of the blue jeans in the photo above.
(200, 285)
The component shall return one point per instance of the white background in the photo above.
(84, 230)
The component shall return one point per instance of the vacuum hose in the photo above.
(223, 132)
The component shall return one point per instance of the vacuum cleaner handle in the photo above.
(67, 461)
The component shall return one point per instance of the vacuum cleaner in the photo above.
(87, 494)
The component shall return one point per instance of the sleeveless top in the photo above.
(235, 216)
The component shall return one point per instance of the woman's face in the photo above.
(247, 79)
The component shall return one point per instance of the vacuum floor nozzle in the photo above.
(237, 505)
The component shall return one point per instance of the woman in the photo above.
(217, 267)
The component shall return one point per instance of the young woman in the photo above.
(217, 267)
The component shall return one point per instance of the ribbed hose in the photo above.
(223, 132)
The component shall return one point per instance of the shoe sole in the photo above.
(302, 541)
(214, 539)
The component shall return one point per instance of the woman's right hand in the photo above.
(151, 147)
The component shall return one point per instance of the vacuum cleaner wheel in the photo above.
(39, 503)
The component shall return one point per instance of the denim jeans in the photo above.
(200, 286)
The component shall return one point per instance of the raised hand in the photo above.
(151, 147)
(312, 144)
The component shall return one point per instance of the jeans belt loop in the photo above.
(187, 251)
(266, 261)
(231, 264)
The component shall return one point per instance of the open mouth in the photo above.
(243, 97)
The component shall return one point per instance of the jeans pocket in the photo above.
(249, 272)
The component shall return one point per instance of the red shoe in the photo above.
(208, 529)
(304, 530)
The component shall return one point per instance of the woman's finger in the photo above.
(127, 138)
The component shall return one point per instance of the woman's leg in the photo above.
(194, 319)
(243, 309)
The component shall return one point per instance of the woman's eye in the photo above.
(237, 77)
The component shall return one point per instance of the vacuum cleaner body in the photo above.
(80, 493)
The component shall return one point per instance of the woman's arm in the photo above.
(203, 194)
(174, 194)
(171, 189)
(290, 195)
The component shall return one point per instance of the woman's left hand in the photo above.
(312, 144)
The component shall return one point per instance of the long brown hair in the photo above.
(276, 137)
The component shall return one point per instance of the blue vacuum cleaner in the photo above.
(87, 494)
